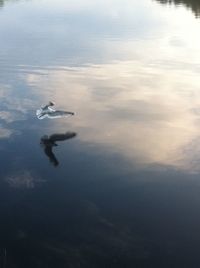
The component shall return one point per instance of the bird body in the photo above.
(48, 112)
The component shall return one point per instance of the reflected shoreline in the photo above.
(194, 5)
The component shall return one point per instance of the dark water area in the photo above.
(118, 183)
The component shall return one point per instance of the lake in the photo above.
(118, 183)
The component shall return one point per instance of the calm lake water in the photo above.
(122, 189)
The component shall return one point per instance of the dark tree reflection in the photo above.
(192, 4)
(48, 142)
(3, 2)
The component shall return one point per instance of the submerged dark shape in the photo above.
(48, 112)
(193, 4)
(48, 142)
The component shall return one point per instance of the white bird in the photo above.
(48, 112)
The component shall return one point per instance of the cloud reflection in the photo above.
(23, 180)
(5, 133)
(13, 108)
(142, 97)
(129, 108)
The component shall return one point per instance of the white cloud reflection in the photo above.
(5, 133)
(23, 180)
(148, 114)
(13, 108)
(138, 94)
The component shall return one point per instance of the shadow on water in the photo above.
(48, 142)
(192, 4)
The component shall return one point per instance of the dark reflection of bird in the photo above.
(48, 142)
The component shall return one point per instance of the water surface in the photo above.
(122, 189)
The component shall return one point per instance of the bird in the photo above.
(48, 112)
